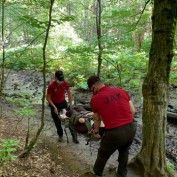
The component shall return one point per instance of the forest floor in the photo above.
(51, 158)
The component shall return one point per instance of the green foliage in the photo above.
(25, 112)
(78, 63)
(34, 22)
(24, 58)
(72, 44)
(146, 44)
(83, 86)
(66, 18)
(26, 109)
(29, 18)
(126, 66)
(16, 101)
(170, 167)
(121, 20)
(80, 82)
(173, 75)
(7, 149)
(23, 98)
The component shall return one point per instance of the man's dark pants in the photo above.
(120, 139)
(56, 120)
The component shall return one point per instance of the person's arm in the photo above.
(132, 108)
(48, 98)
(97, 122)
(70, 99)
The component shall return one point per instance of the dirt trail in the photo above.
(76, 157)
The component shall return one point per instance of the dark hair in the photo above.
(92, 80)
(70, 112)
(59, 75)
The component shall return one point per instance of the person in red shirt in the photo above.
(56, 99)
(114, 107)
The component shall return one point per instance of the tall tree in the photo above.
(99, 35)
(156, 88)
(2, 78)
(30, 146)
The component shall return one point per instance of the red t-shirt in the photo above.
(57, 91)
(112, 104)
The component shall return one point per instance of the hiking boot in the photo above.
(92, 171)
(75, 141)
(60, 139)
(74, 134)
(121, 172)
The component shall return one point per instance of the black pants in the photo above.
(120, 139)
(56, 120)
(101, 131)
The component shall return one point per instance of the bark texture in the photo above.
(155, 90)
(2, 77)
(99, 35)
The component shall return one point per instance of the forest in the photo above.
(130, 44)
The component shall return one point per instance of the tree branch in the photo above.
(142, 12)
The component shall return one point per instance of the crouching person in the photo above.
(114, 107)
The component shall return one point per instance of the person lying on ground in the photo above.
(82, 122)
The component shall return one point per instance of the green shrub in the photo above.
(7, 148)
(170, 167)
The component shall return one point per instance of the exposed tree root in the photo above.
(137, 165)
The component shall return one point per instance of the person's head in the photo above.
(70, 112)
(79, 108)
(59, 77)
(94, 84)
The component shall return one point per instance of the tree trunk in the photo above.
(99, 35)
(28, 148)
(155, 90)
(138, 40)
(2, 78)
